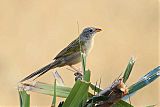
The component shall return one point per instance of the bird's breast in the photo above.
(88, 46)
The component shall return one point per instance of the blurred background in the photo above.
(32, 32)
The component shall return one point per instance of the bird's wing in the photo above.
(70, 49)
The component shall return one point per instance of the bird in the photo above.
(71, 54)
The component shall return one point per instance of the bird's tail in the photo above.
(40, 72)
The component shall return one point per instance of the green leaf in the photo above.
(87, 75)
(83, 57)
(145, 80)
(95, 88)
(51, 87)
(48, 89)
(122, 103)
(128, 70)
(77, 94)
(24, 99)
(54, 96)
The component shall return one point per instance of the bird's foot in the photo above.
(78, 76)
(77, 72)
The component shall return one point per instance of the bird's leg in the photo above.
(74, 68)
(70, 69)
(78, 73)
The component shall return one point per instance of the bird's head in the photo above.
(89, 32)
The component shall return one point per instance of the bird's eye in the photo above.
(90, 30)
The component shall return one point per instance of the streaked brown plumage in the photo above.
(71, 54)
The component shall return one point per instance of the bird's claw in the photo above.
(78, 76)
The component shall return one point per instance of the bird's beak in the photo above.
(98, 29)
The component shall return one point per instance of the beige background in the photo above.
(32, 32)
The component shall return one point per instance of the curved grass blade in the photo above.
(58, 78)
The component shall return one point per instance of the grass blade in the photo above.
(77, 94)
(95, 88)
(145, 80)
(87, 75)
(24, 99)
(128, 70)
(48, 89)
(51, 87)
(54, 96)
(59, 80)
(83, 57)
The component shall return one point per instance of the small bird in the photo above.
(71, 54)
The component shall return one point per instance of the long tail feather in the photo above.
(40, 72)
